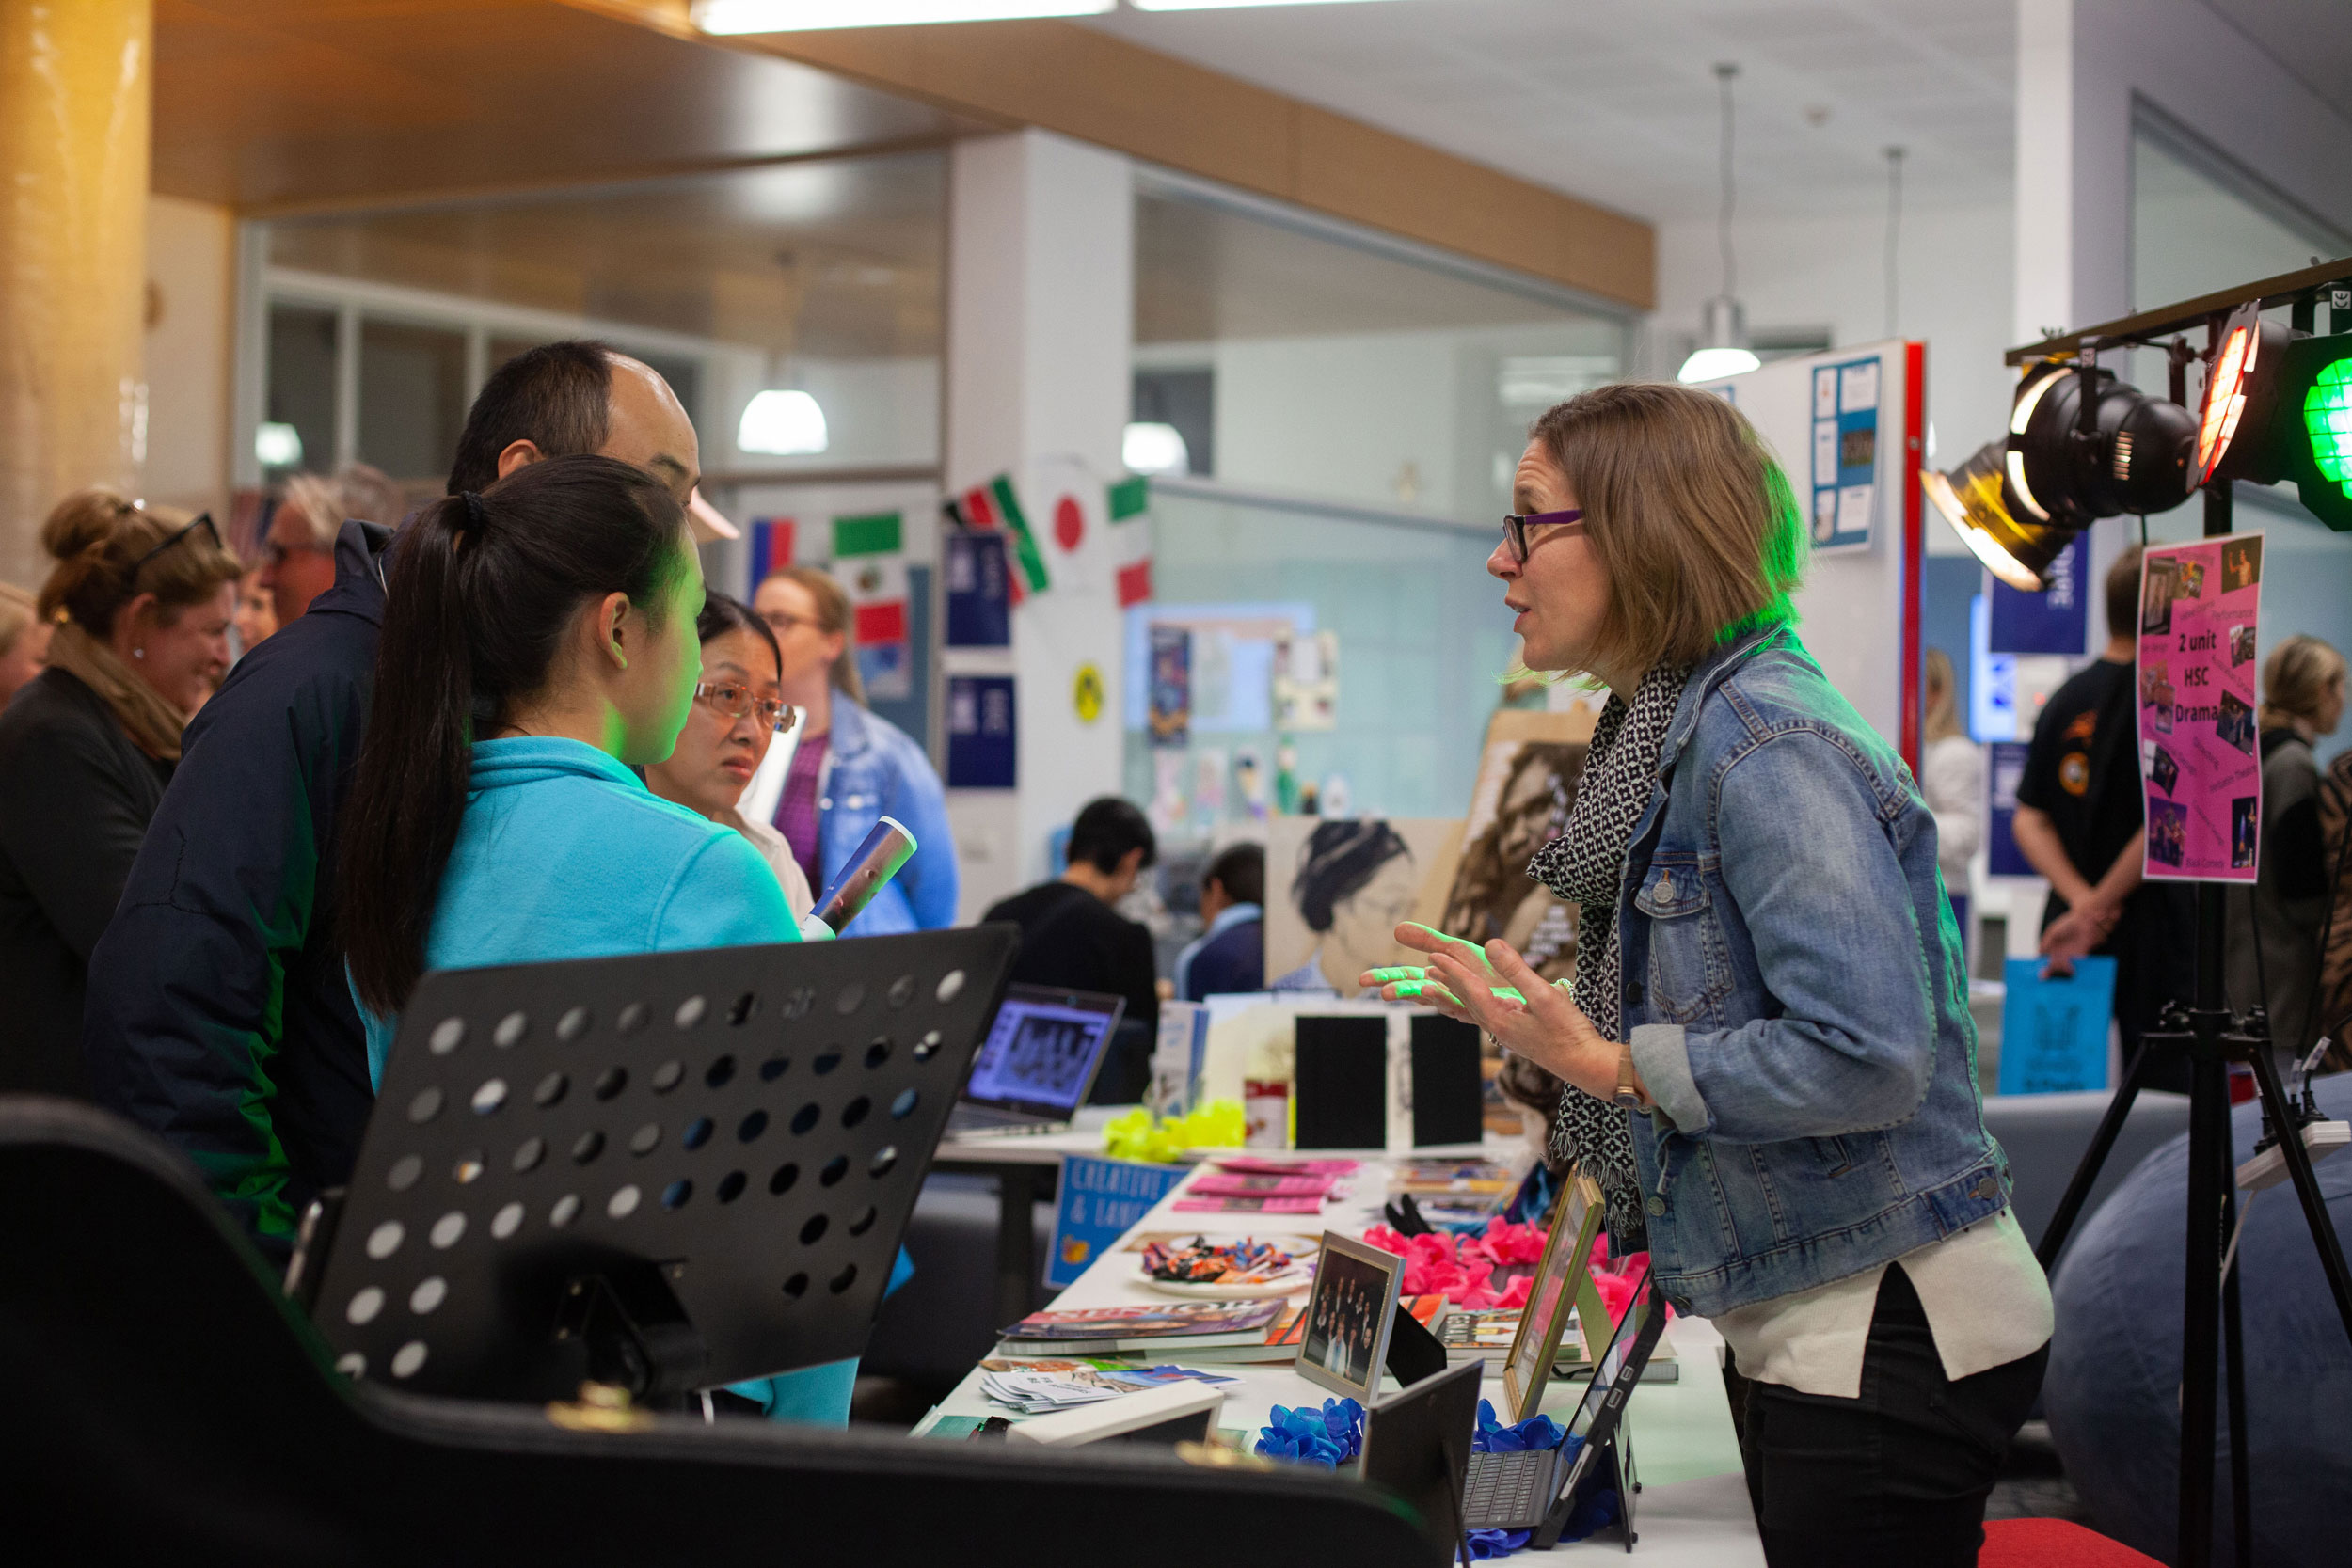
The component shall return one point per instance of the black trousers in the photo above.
(1898, 1475)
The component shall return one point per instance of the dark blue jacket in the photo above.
(219, 1016)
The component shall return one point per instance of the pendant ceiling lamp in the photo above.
(1723, 324)
(796, 16)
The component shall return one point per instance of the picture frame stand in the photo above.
(1414, 1352)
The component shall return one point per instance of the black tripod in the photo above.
(2213, 1037)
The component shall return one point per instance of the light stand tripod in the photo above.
(2213, 1037)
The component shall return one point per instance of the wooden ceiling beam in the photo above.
(1088, 85)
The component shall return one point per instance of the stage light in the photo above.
(799, 16)
(2278, 407)
(2016, 503)
(780, 424)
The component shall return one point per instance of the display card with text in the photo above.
(2199, 759)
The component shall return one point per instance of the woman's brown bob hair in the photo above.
(1691, 515)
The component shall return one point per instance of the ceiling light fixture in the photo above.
(1225, 4)
(1723, 324)
(1151, 448)
(780, 424)
(277, 445)
(799, 16)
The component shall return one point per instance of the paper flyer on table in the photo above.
(2200, 763)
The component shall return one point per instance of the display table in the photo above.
(1693, 1505)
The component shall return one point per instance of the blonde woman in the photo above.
(23, 641)
(138, 606)
(1951, 776)
(2274, 926)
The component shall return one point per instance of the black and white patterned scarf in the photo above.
(1585, 865)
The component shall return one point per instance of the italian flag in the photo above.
(869, 560)
(994, 505)
(1131, 538)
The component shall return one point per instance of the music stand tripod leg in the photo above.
(2233, 1357)
(2306, 1180)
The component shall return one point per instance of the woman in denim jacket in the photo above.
(1770, 1061)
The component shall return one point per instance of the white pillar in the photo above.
(2073, 228)
(1041, 311)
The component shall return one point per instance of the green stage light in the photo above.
(2278, 407)
(2016, 503)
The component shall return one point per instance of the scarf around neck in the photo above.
(1585, 865)
(153, 724)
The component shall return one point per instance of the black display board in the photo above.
(667, 1170)
(1341, 1082)
(1448, 1094)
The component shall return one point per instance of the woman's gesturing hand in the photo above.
(1495, 989)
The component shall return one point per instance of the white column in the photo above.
(1041, 308)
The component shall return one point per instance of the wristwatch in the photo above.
(1627, 1095)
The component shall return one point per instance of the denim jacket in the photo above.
(1795, 996)
(878, 770)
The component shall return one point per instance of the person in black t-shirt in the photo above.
(1072, 938)
(2079, 812)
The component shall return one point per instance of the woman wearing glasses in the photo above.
(1771, 1066)
(736, 718)
(139, 604)
(853, 767)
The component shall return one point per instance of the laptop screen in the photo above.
(1043, 1050)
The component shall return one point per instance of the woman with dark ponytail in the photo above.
(541, 642)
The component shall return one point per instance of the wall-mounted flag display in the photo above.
(1130, 507)
(869, 562)
(772, 550)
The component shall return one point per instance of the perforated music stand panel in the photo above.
(755, 1121)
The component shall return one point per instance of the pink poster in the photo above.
(2199, 606)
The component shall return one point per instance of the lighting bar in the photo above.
(727, 17)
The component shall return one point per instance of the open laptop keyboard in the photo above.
(1509, 1491)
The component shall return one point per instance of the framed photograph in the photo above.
(1561, 1279)
(1349, 1313)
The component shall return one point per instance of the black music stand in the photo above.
(665, 1171)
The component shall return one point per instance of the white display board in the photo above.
(1848, 427)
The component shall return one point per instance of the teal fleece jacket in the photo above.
(564, 853)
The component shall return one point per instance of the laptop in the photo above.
(1417, 1440)
(1038, 1063)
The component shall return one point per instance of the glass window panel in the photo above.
(412, 398)
(302, 381)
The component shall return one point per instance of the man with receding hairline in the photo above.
(219, 1016)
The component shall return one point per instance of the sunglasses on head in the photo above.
(203, 520)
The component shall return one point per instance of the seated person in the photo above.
(541, 644)
(1071, 937)
(727, 736)
(1230, 954)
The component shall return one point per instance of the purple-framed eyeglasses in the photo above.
(1514, 527)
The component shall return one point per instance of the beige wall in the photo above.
(191, 315)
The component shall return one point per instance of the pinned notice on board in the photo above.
(1845, 454)
(982, 752)
(2200, 762)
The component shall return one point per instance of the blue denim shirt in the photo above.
(1795, 995)
(878, 772)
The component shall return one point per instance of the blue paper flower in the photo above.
(1328, 1437)
(1537, 1432)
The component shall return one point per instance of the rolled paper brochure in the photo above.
(887, 847)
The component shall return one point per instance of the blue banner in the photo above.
(984, 745)
(2054, 1030)
(1101, 1201)
(979, 614)
(2055, 621)
(2005, 766)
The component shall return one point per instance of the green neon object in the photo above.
(2327, 420)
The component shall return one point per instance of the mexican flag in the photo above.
(1131, 538)
(869, 560)
(994, 505)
